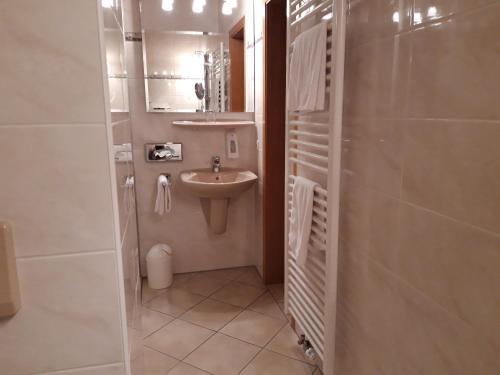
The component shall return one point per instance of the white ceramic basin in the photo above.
(227, 183)
(215, 190)
(229, 123)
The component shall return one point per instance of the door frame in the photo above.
(274, 141)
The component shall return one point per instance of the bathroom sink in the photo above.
(229, 182)
(227, 123)
(215, 190)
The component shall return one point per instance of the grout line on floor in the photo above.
(192, 351)
(195, 324)
(187, 355)
(264, 289)
(196, 367)
(163, 326)
(251, 360)
(241, 312)
(157, 351)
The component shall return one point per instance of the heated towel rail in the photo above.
(313, 151)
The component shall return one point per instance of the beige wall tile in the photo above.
(371, 19)
(416, 289)
(455, 264)
(455, 66)
(452, 167)
(376, 81)
(52, 72)
(372, 153)
(56, 188)
(65, 299)
(369, 220)
(387, 327)
(121, 128)
(431, 10)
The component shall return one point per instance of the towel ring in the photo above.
(168, 177)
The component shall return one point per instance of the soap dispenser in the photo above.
(232, 147)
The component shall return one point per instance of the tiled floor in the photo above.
(224, 322)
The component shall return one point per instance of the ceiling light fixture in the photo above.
(167, 5)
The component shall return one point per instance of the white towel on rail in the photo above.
(163, 197)
(301, 217)
(307, 86)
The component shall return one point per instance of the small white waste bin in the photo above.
(159, 265)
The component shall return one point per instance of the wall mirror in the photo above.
(198, 55)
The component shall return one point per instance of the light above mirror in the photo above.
(167, 5)
(108, 3)
(199, 5)
(228, 6)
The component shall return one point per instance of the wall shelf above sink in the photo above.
(218, 123)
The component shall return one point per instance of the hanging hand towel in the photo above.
(163, 196)
(301, 218)
(307, 84)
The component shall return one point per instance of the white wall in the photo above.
(57, 191)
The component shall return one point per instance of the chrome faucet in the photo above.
(216, 165)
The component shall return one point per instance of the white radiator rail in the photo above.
(313, 151)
